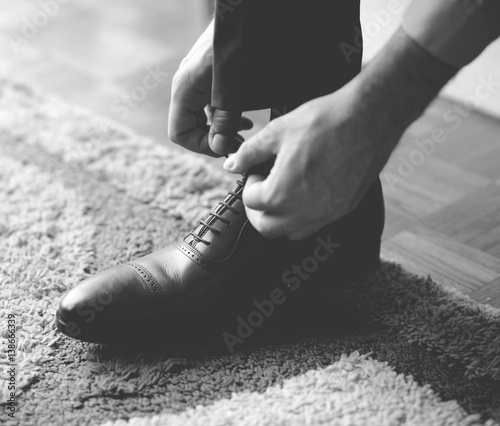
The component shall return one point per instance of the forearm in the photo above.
(394, 90)
(437, 38)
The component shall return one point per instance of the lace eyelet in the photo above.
(218, 216)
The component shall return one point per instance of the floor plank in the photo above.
(488, 294)
(424, 251)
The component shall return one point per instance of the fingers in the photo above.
(209, 112)
(223, 131)
(187, 121)
(263, 208)
(268, 211)
(189, 117)
(245, 122)
(256, 193)
(266, 190)
(269, 224)
(258, 149)
(191, 130)
(187, 129)
(277, 224)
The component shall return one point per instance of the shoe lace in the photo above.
(226, 203)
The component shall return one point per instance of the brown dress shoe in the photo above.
(220, 270)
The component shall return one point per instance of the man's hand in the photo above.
(192, 122)
(330, 150)
(325, 162)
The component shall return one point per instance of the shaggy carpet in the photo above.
(78, 195)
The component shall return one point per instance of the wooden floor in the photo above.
(443, 198)
(444, 218)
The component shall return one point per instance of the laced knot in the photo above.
(213, 217)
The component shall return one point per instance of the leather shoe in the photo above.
(217, 272)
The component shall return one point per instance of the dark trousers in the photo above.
(279, 54)
(271, 53)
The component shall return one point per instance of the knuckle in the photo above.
(276, 126)
(220, 127)
(249, 152)
(266, 135)
(176, 76)
(246, 151)
(266, 139)
(225, 124)
(272, 201)
(177, 80)
(275, 198)
(174, 137)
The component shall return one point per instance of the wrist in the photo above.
(201, 54)
(401, 81)
(470, 27)
(196, 67)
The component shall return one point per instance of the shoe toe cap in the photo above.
(99, 307)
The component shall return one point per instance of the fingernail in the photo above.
(229, 163)
(218, 145)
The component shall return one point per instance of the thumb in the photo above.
(255, 155)
(223, 131)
